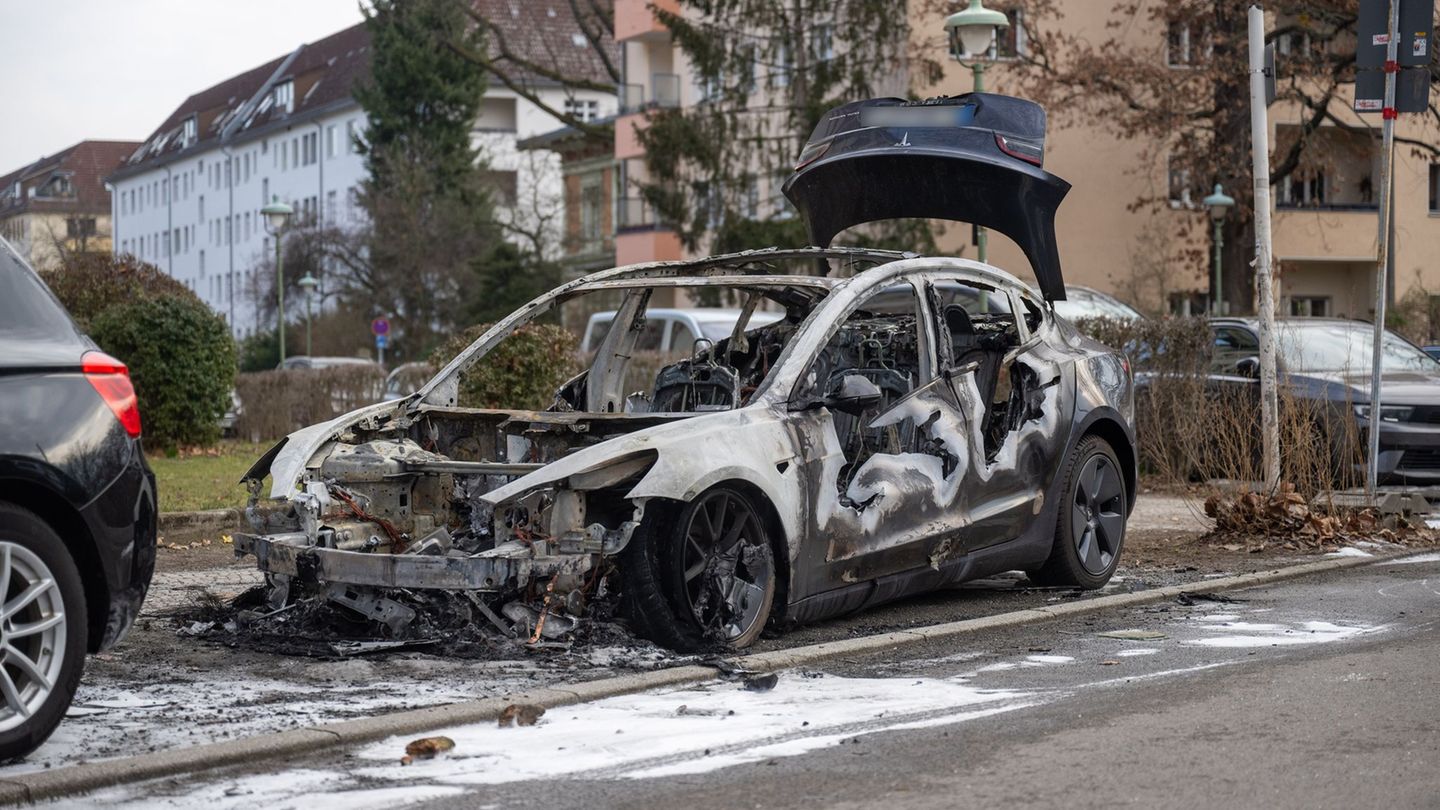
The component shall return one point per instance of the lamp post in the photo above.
(1219, 204)
(276, 215)
(308, 284)
(970, 33)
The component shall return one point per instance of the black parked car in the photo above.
(77, 506)
(1327, 361)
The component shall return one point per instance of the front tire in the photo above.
(1090, 527)
(43, 631)
(701, 575)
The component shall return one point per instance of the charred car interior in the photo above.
(905, 424)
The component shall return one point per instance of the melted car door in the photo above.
(1006, 381)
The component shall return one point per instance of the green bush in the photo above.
(523, 371)
(88, 284)
(181, 359)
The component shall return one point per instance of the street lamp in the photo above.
(970, 33)
(1219, 204)
(276, 215)
(308, 283)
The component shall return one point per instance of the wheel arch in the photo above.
(67, 522)
(1109, 428)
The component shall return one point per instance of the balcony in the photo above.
(664, 92)
(635, 20)
(633, 213)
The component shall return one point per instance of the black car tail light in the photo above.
(111, 380)
(1016, 148)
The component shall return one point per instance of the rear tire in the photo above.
(1090, 527)
(43, 630)
(701, 575)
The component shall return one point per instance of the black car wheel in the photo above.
(42, 631)
(1090, 528)
(702, 576)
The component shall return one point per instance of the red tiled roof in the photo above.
(86, 164)
(545, 32)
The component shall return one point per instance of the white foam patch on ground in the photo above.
(689, 731)
(1350, 551)
(1135, 652)
(1049, 659)
(303, 788)
(1419, 558)
(1237, 634)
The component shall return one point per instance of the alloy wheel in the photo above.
(1097, 521)
(726, 565)
(32, 634)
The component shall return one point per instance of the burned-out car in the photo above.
(878, 439)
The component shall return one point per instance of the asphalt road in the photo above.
(1313, 693)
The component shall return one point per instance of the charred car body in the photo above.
(876, 441)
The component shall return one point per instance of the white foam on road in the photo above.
(1238, 634)
(301, 789)
(1350, 551)
(689, 731)
(1419, 558)
(1049, 659)
(1136, 651)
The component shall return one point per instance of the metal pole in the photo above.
(308, 352)
(1219, 269)
(280, 293)
(1264, 261)
(977, 70)
(1387, 156)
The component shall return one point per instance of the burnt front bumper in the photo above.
(507, 566)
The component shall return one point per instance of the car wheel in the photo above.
(1090, 528)
(42, 631)
(701, 575)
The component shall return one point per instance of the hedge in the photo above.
(523, 371)
(182, 362)
(274, 404)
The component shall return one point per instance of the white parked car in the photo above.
(676, 330)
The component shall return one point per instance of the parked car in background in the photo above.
(1325, 362)
(1433, 351)
(1083, 302)
(878, 439)
(676, 330)
(304, 361)
(77, 506)
(406, 379)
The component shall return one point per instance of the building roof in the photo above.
(70, 180)
(321, 73)
(545, 32)
(324, 74)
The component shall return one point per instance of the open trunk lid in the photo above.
(972, 158)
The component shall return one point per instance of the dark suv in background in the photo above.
(77, 506)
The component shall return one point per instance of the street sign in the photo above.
(1416, 26)
(379, 327)
(1371, 37)
(382, 341)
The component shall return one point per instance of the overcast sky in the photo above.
(115, 69)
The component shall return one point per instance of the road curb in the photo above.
(77, 779)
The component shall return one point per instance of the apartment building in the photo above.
(60, 203)
(1325, 222)
(189, 198)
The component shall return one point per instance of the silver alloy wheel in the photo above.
(32, 634)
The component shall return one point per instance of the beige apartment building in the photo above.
(1325, 228)
(60, 202)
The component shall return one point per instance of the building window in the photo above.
(1303, 191)
(1314, 306)
(1011, 42)
(822, 42)
(332, 136)
(1177, 45)
(505, 186)
(591, 201)
(1434, 189)
(1178, 180)
(583, 109)
(496, 115)
(330, 202)
(285, 96)
(189, 132)
(352, 136)
(80, 227)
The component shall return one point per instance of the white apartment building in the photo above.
(189, 199)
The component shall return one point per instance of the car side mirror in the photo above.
(853, 394)
(1248, 367)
